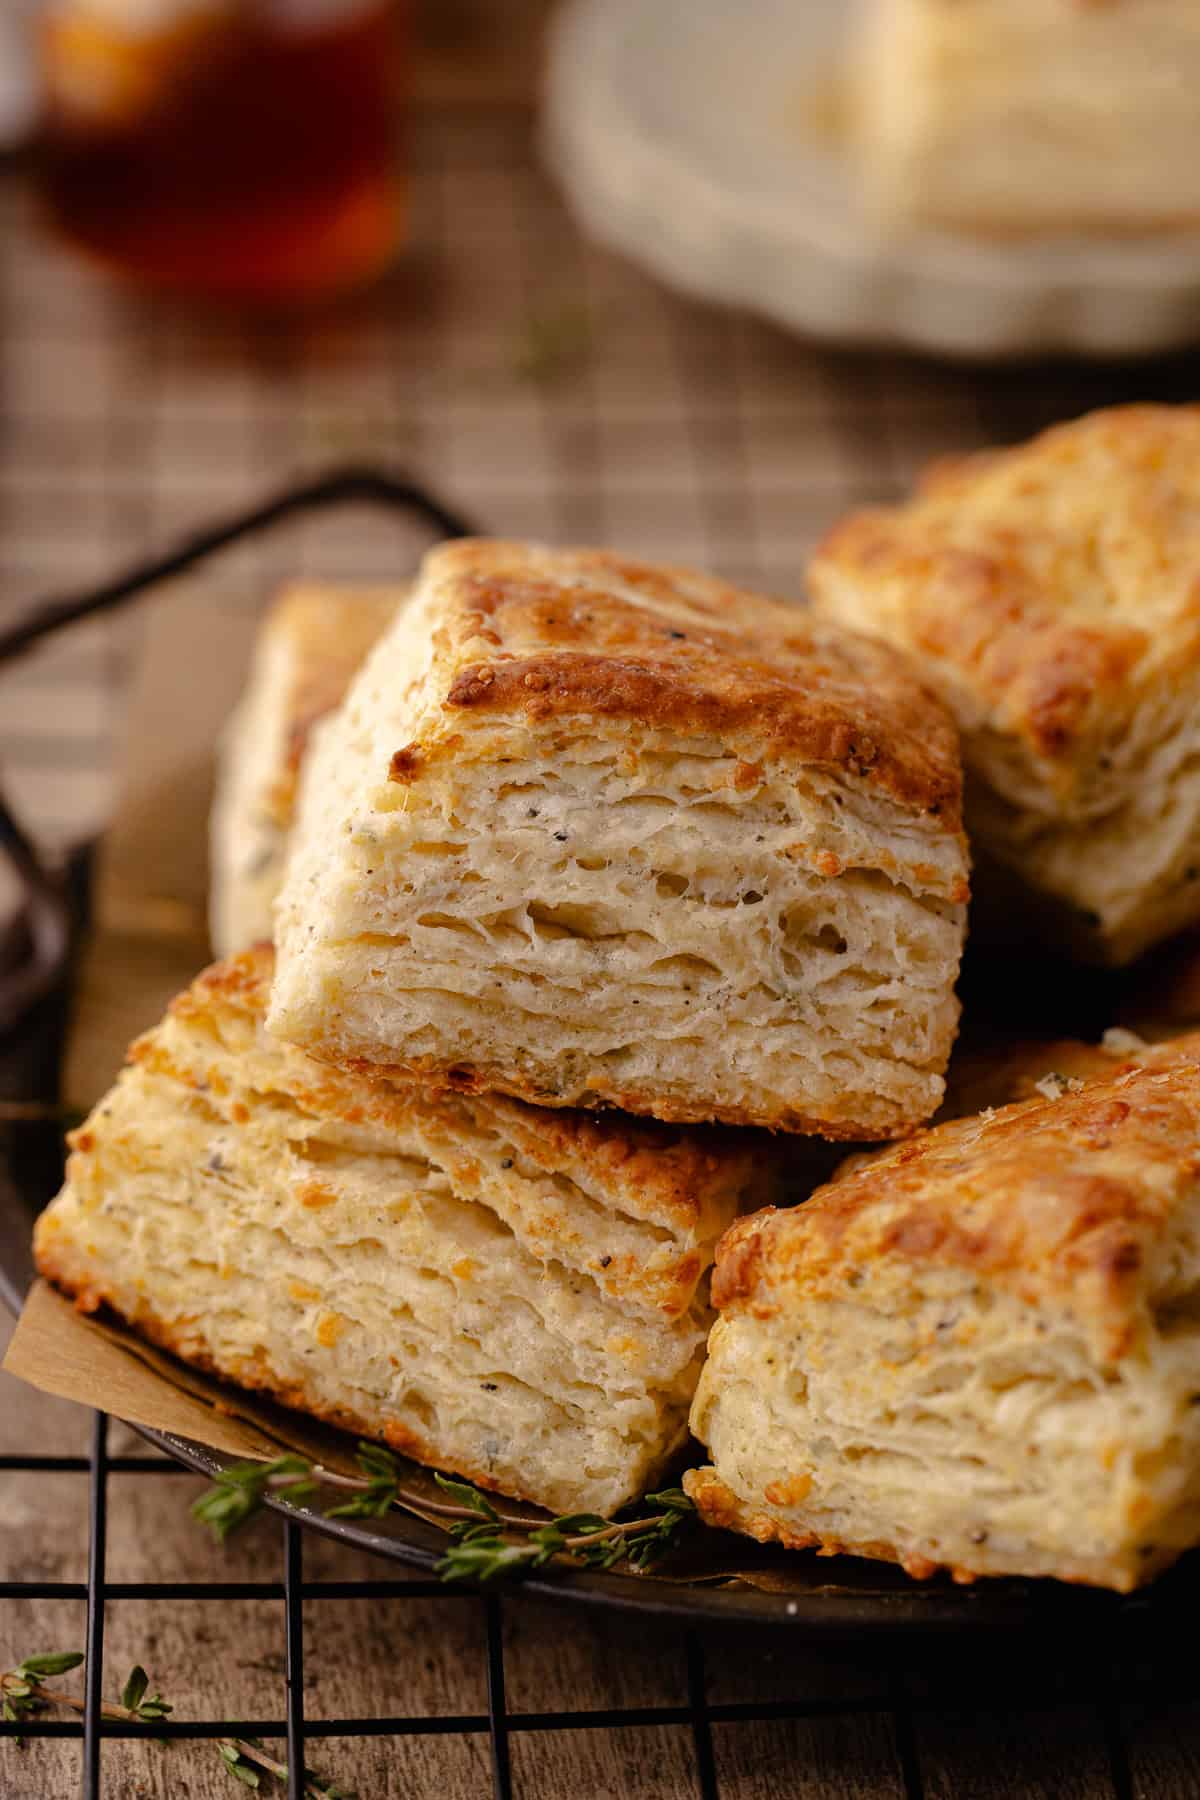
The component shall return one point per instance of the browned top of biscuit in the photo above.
(1035, 1068)
(1048, 581)
(674, 1175)
(547, 634)
(326, 631)
(1061, 1199)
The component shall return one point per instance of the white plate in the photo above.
(682, 132)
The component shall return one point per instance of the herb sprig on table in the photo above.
(24, 1695)
(482, 1546)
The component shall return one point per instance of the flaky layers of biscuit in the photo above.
(1020, 116)
(596, 832)
(979, 1351)
(1049, 592)
(517, 1296)
(310, 646)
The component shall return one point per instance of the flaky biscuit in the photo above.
(980, 1349)
(517, 1295)
(991, 1077)
(596, 832)
(1049, 593)
(1012, 117)
(309, 647)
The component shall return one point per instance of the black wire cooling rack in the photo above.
(292, 1589)
(34, 965)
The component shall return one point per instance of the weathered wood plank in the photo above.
(810, 1759)
(993, 1754)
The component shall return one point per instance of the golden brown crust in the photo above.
(1031, 1069)
(1057, 1199)
(1046, 580)
(607, 1098)
(675, 1172)
(721, 1508)
(329, 631)
(568, 634)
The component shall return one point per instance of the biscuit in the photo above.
(308, 649)
(1047, 591)
(1022, 1071)
(595, 832)
(980, 1350)
(1028, 116)
(516, 1295)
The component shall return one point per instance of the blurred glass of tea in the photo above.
(238, 149)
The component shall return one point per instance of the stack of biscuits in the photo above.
(591, 884)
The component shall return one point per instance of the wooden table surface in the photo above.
(552, 391)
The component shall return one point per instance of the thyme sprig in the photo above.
(23, 1695)
(238, 1492)
(248, 1760)
(482, 1546)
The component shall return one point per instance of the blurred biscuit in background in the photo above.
(309, 647)
(1017, 117)
(1048, 593)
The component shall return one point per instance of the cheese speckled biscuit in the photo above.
(1049, 593)
(519, 1296)
(1022, 1071)
(980, 1350)
(1020, 116)
(596, 832)
(310, 646)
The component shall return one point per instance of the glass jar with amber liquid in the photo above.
(243, 150)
